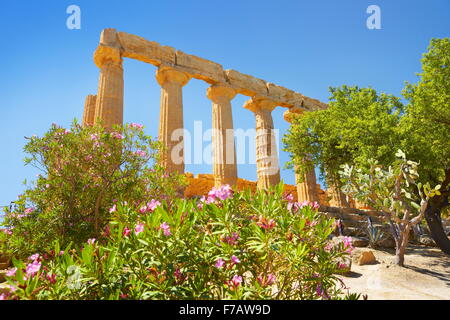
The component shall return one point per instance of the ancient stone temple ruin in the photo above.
(174, 70)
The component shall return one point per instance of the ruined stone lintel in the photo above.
(224, 151)
(89, 110)
(268, 170)
(171, 117)
(136, 47)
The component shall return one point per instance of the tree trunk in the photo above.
(433, 215)
(400, 246)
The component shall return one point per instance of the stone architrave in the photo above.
(268, 170)
(224, 152)
(171, 117)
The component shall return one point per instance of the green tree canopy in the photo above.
(426, 124)
(359, 124)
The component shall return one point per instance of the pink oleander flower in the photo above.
(222, 193)
(29, 210)
(219, 263)
(34, 257)
(315, 205)
(342, 265)
(116, 135)
(143, 209)
(328, 247)
(61, 253)
(139, 228)
(113, 209)
(232, 240)
(11, 272)
(126, 232)
(235, 259)
(8, 232)
(271, 278)
(3, 297)
(348, 244)
(322, 293)
(266, 280)
(288, 197)
(91, 241)
(140, 153)
(136, 125)
(179, 276)
(268, 225)
(236, 280)
(152, 205)
(51, 278)
(12, 288)
(33, 268)
(166, 228)
(94, 137)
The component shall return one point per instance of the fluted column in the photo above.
(224, 152)
(171, 117)
(307, 183)
(338, 198)
(307, 187)
(266, 149)
(89, 110)
(108, 57)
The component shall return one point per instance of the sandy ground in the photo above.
(426, 276)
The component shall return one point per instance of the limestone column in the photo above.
(109, 106)
(171, 117)
(307, 187)
(89, 110)
(224, 151)
(266, 149)
(338, 198)
(306, 184)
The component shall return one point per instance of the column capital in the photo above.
(289, 115)
(168, 74)
(260, 103)
(107, 54)
(217, 92)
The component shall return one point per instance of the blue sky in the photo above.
(47, 69)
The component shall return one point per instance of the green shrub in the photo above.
(83, 171)
(225, 246)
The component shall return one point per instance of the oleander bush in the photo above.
(83, 171)
(224, 246)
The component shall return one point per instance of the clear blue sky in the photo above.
(47, 69)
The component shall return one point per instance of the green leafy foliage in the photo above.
(394, 191)
(83, 171)
(226, 246)
(359, 124)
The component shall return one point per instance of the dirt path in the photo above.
(426, 275)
